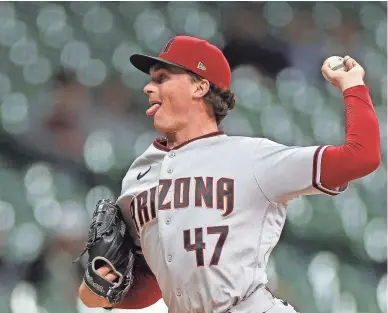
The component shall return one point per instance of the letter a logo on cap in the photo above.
(201, 66)
(167, 46)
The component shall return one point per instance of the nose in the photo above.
(149, 88)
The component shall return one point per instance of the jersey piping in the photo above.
(317, 174)
(159, 142)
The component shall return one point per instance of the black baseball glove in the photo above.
(109, 243)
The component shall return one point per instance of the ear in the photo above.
(201, 88)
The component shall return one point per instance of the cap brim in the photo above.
(144, 62)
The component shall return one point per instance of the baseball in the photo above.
(335, 63)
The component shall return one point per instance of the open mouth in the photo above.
(155, 106)
(155, 102)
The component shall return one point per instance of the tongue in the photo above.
(152, 110)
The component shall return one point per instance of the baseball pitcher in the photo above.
(203, 209)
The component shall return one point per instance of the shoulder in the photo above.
(266, 143)
(150, 156)
(249, 143)
(242, 140)
(257, 146)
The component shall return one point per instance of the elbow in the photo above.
(371, 164)
(360, 166)
(374, 161)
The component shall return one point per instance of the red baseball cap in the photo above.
(192, 54)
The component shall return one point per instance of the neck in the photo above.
(193, 130)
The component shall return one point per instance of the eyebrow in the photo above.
(158, 67)
(156, 74)
(158, 70)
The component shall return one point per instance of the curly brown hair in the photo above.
(221, 100)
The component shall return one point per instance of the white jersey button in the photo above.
(169, 170)
(172, 154)
(169, 258)
(168, 221)
(178, 292)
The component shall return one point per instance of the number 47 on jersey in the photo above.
(199, 245)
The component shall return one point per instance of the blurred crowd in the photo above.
(72, 121)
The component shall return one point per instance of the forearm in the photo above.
(360, 154)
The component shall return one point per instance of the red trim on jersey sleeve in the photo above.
(317, 175)
(335, 166)
(161, 143)
(144, 292)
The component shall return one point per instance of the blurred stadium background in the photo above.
(72, 121)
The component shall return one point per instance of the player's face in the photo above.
(172, 91)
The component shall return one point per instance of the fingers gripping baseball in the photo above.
(350, 63)
(343, 73)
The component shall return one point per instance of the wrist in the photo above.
(352, 83)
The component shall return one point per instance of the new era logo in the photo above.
(201, 66)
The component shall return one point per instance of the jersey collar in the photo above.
(161, 143)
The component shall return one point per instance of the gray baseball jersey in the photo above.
(208, 213)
